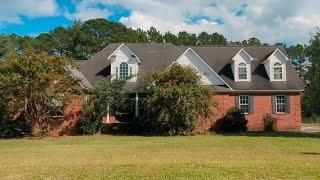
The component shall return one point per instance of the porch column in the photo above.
(108, 114)
(137, 106)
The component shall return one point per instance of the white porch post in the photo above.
(137, 106)
(108, 114)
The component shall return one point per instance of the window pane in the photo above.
(244, 103)
(123, 70)
(280, 104)
(277, 73)
(242, 72)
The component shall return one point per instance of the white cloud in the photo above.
(11, 10)
(85, 10)
(270, 20)
(144, 21)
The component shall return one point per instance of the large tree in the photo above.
(311, 100)
(170, 38)
(154, 35)
(175, 98)
(186, 39)
(33, 85)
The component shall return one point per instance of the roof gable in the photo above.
(278, 55)
(208, 75)
(243, 54)
(124, 46)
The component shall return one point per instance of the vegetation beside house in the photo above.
(175, 99)
(34, 86)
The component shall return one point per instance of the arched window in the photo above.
(277, 71)
(123, 70)
(242, 71)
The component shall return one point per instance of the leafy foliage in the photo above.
(108, 96)
(270, 122)
(174, 100)
(311, 98)
(31, 83)
(234, 121)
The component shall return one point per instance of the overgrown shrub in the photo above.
(174, 100)
(14, 129)
(89, 123)
(270, 123)
(234, 121)
(32, 83)
(108, 97)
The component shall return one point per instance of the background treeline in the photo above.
(83, 39)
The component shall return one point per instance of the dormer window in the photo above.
(275, 66)
(123, 70)
(277, 71)
(242, 71)
(240, 65)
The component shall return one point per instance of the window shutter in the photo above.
(236, 98)
(287, 100)
(251, 104)
(273, 101)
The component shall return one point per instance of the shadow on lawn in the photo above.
(277, 134)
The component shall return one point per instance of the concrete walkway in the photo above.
(310, 128)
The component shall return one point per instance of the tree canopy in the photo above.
(174, 100)
(33, 85)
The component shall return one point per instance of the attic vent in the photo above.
(132, 55)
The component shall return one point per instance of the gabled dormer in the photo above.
(124, 63)
(190, 58)
(275, 66)
(241, 66)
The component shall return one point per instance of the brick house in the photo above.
(257, 79)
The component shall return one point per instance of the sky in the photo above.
(272, 21)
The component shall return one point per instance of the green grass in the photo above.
(250, 156)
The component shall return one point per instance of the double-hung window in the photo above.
(277, 71)
(280, 104)
(242, 71)
(244, 103)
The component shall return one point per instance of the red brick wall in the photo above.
(261, 105)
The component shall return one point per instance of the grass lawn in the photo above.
(249, 156)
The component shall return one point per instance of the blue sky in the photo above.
(272, 21)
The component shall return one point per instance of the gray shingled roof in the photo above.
(157, 56)
(219, 57)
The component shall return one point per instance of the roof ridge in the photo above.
(240, 46)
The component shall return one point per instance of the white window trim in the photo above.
(247, 72)
(236, 69)
(284, 104)
(283, 71)
(239, 100)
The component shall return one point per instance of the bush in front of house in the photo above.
(234, 121)
(89, 123)
(270, 123)
(175, 98)
(31, 85)
(108, 96)
(14, 129)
